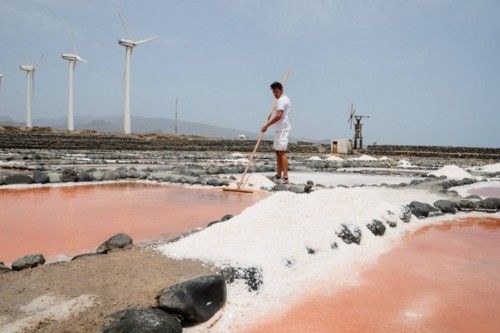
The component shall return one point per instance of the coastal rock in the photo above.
(405, 215)
(110, 175)
(28, 261)
(349, 233)
(3, 268)
(489, 205)
(376, 227)
(17, 179)
(213, 182)
(40, 177)
(445, 206)
(54, 177)
(141, 321)
(279, 187)
(420, 209)
(226, 217)
(194, 301)
(118, 241)
(251, 275)
(84, 176)
(69, 175)
(98, 175)
(465, 205)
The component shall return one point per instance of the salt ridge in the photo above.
(452, 171)
(281, 227)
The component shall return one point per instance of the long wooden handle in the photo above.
(261, 135)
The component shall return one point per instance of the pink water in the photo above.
(71, 220)
(443, 278)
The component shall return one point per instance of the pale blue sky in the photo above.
(427, 71)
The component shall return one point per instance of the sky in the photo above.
(427, 72)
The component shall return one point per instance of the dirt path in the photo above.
(75, 296)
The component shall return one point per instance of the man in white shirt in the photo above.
(282, 128)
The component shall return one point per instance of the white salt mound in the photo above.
(334, 158)
(314, 158)
(280, 228)
(365, 158)
(237, 155)
(489, 168)
(385, 158)
(404, 164)
(452, 172)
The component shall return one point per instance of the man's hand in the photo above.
(263, 129)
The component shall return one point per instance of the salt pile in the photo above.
(364, 158)
(385, 158)
(452, 172)
(334, 158)
(277, 234)
(404, 164)
(237, 155)
(489, 168)
(314, 158)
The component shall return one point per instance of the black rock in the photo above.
(489, 205)
(40, 177)
(310, 250)
(28, 261)
(349, 234)
(110, 175)
(226, 217)
(69, 175)
(473, 197)
(84, 176)
(446, 206)
(17, 179)
(297, 189)
(405, 215)
(420, 209)
(310, 182)
(85, 255)
(308, 188)
(279, 187)
(3, 268)
(118, 241)
(334, 245)
(376, 227)
(465, 205)
(194, 301)
(391, 223)
(141, 321)
(213, 182)
(251, 275)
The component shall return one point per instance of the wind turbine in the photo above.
(72, 60)
(1, 76)
(30, 89)
(129, 44)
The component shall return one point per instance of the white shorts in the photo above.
(280, 141)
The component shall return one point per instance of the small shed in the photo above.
(341, 146)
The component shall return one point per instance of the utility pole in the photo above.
(176, 105)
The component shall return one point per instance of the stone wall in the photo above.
(102, 141)
(434, 151)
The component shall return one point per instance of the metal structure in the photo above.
(1, 76)
(175, 125)
(358, 127)
(30, 89)
(129, 44)
(72, 59)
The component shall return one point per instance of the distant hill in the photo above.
(113, 123)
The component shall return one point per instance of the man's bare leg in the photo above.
(284, 164)
(279, 167)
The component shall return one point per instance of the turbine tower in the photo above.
(30, 89)
(1, 76)
(129, 44)
(72, 60)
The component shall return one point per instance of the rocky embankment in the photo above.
(46, 138)
(435, 151)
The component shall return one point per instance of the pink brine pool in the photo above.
(71, 220)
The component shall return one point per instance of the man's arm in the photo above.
(273, 120)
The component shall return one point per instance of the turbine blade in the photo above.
(124, 25)
(39, 61)
(146, 40)
(82, 60)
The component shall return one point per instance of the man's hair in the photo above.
(276, 85)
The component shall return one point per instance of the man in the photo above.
(282, 130)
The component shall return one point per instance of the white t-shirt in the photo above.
(283, 104)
